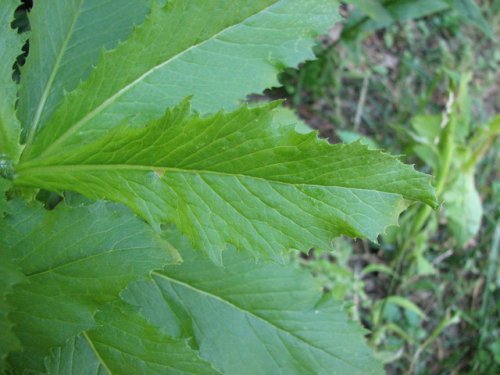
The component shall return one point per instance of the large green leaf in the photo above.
(238, 178)
(217, 51)
(125, 343)
(75, 259)
(10, 48)
(67, 37)
(250, 318)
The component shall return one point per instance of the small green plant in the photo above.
(452, 146)
(173, 268)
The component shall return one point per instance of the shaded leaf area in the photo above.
(10, 277)
(75, 259)
(66, 40)
(11, 48)
(125, 343)
(4, 186)
(238, 178)
(250, 318)
(233, 48)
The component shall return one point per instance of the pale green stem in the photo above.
(446, 151)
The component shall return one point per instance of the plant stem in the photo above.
(446, 151)
(361, 102)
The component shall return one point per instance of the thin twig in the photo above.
(361, 102)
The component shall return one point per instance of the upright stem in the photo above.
(361, 102)
(446, 151)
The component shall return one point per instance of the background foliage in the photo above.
(388, 75)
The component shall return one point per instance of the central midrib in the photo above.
(62, 169)
(50, 82)
(89, 116)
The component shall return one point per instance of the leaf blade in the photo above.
(125, 343)
(74, 259)
(262, 36)
(65, 42)
(238, 178)
(11, 48)
(255, 318)
(463, 207)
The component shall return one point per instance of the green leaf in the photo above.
(250, 318)
(67, 37)
(406, 304)
(75, 259)
(463, 207)
(403, 10)
(227, 50)
(348, 136)
(471, 13)
(427, 127)
(125, 343)
(400, 10)
(285, 115)
(9, 50)
(372, 8)
(238, 178)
